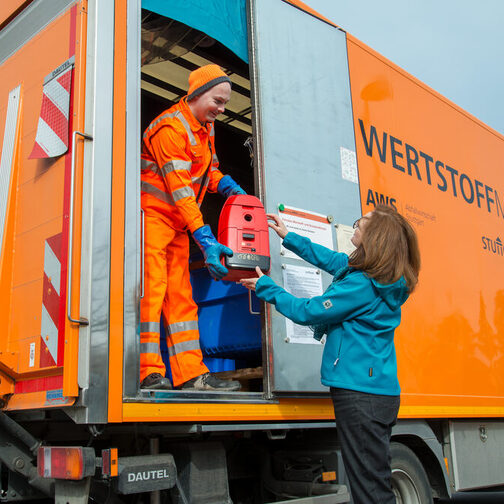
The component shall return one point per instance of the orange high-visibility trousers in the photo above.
(167, 290)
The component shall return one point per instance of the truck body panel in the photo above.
(41, 345)
(336, 129)
(437, 165)
(298, 170)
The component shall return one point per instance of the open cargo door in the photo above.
(40, 106)
(305, 155)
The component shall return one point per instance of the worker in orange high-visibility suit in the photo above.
(179, 165)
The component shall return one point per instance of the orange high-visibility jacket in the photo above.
(176, 151)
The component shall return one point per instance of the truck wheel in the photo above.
(409, 479)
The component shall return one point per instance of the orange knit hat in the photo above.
(204, 78)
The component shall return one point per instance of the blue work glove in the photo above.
(228, 187)
(212, 250)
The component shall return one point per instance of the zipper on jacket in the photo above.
(339, 352)
(206, 172)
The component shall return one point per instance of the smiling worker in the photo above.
(179, 165)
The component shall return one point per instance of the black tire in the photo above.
(409, 479)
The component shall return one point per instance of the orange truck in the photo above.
(331, 128)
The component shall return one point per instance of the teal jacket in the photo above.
(359, 314)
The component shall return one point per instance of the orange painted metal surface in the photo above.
(288, 410)
(309, 10)
(450, 344)
(77, 47)
(8, 355)
(36, 400)
(285, 409)
(10, 9)
(37, 218)
(115, 384)
(438, 165)
(6, 385)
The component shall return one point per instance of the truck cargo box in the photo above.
(80, 81)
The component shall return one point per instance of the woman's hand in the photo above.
(278, 226)
(250, 283)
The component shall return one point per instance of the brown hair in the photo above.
(389, 248)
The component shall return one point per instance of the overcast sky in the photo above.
(454, 46)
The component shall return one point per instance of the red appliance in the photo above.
(243, 227)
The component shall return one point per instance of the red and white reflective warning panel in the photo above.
(50, 327)
(66, 462)
(53, 124)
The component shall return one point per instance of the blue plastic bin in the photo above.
(227, 328)
(228, 331)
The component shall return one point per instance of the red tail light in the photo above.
(68, 462)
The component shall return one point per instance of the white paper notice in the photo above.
(348, 165)
(343, 236)
(31, 362)
(302, 282)
(310, 224)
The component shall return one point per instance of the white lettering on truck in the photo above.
(148, 475)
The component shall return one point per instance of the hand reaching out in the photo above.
(281, 230)
(278, 225)
(250, 283)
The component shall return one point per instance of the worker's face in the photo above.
(360, 226)
(210, 104)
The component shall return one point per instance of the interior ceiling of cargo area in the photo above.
(171, 50)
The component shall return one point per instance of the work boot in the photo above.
(155, 381)
(208, 381)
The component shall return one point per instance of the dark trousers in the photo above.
(364, 424)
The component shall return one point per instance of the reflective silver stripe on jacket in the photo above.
(155, 123)
(152, 327)
(170, 115)
(183, 346)
(157, 193)
(215, 159)
(149, 348)
(188, 325)
(212, 131)
(184, 122)
(183, 192)
(148, 165)
(176, 164)
(197, 180)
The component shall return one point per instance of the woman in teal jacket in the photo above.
(359, 312)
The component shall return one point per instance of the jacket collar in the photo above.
(193, 122)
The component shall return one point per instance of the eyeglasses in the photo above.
(356, 224)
